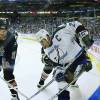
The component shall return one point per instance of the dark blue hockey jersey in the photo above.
(8, 48)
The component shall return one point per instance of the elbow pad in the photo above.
(85, 39)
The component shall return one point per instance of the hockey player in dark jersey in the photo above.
(67, 42)
(8, 50)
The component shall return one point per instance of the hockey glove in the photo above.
(46, 60)
(87, 66)
(86, 40)
(59, 75)
(43, 57)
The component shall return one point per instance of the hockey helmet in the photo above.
(42, 34)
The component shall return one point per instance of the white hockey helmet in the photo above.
(42, 34)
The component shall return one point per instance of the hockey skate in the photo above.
(40, 84)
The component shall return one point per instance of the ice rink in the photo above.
(28, 70)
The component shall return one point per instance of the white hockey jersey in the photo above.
(64, 47)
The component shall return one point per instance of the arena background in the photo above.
(26, 17)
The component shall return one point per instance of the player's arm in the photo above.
(10, 51)
(43, 55)
(84, 36)
(45, 59)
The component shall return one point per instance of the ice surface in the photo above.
(28, 70)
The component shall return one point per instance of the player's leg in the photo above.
(9, 77)
(63, 79)
(8, 62)
(45, 73)
(65, 95)
(80, 65)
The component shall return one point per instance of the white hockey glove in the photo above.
(59, 74)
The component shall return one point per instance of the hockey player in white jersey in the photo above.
(67, 42)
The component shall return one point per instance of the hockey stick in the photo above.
(14, 88)
(75, 79)
(54, 78)
(41, 89)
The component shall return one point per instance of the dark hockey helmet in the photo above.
(3, 23)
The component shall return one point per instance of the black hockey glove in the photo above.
(45, 59)
(87, 66)
(85, 39)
